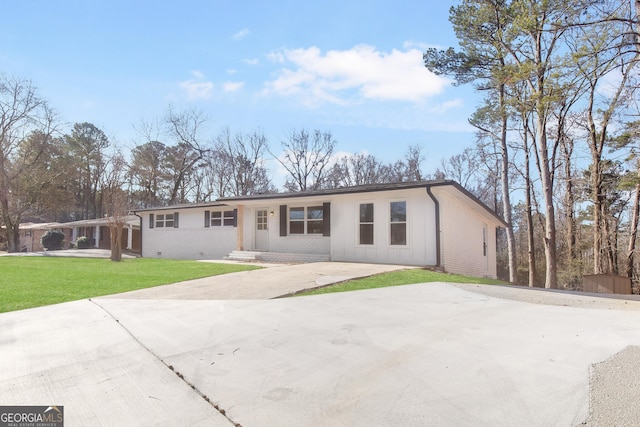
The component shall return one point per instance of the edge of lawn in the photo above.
(29, 282)
(409, 276)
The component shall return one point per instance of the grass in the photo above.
(397, 278)
(27, 282)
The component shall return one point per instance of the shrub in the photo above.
(83, 242)
(52, 240)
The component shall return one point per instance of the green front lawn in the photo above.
(400, 277)
(27, 282)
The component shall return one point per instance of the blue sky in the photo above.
(350, 67)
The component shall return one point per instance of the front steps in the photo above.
(276, 257)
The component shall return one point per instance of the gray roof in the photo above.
(181, 206)
(340, 190)
(333, 191)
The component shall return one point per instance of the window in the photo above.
(366, 224)
(315, 222)
(309, 220)
(484, 240)
(296, 220)
(261, 220)
(166, 220)
(398, 220)
(219, 219)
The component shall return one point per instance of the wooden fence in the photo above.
(606, 283)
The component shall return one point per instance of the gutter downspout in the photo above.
(437, 206)
(140, 232)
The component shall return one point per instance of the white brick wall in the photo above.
(191, 240)
(462, 238)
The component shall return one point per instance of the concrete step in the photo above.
(276, 257)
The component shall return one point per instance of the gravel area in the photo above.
(557, 297)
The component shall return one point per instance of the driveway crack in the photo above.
(206, 398)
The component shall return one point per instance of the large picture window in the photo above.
(398, 221)
(306, 220)
(366, 224)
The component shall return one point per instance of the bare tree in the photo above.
(306, 157)
(243, 161)
(356, 169)
(116, 203)
(185, 129)
(22, 112)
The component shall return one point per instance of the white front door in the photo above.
(262, 230)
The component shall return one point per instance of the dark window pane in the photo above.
(228, 218)
(314, 212)
(315, 227)
(366, 234)
(366, 212)
(216, 214)
(398, 211)
(296, 227)
(296, 214)
(398, 234)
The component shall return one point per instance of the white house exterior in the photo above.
(429, 223)
(199, 231)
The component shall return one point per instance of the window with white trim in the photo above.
(398, 223)
(222, 218)
(306, 220)
(366, 224)
(164, 220)
(262, 220)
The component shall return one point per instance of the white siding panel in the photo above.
(420, 248)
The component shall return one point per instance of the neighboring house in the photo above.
(427, 223)
(31, 235)
(99, 234)
(97, 230)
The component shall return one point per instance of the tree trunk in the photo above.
(570, 203)
(116, 241)
(506, 198)
(551, 276)
(631, 248)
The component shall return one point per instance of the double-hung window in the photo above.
(398, 223)
(165, 220)
(219, 218)
(306, 220)
(366, 224)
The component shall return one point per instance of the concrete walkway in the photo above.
(273, 281)
(418, 355)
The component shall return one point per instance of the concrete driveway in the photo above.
(426, 354)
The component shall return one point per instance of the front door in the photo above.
(262, 230)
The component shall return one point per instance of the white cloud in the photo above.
(446, 106)
(360, 73)
(196, 88)
(243, 33)
(252, 61)
(232, 86)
